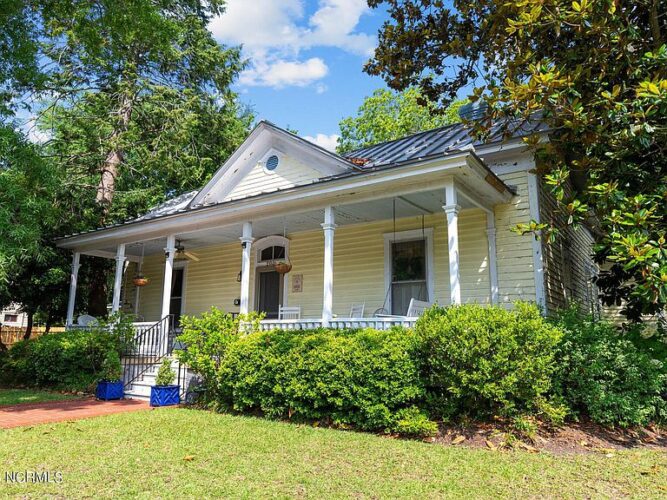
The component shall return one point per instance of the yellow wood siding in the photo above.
(258, 180)
(358, 268)
(516, 278)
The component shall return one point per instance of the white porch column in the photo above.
(118, 281)
(452, 209)
(169, 253)
(329, 227)
(493, 267)
(74, 274)
(246, 242)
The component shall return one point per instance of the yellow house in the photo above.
(311, 238)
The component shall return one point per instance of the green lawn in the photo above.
(16, 396)
(187, 453)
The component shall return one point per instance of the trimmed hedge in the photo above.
(367, 379)
(485, 361)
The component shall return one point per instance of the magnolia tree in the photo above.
(595, 72)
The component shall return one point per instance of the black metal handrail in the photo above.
(148, 347)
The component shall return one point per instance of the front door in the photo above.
(177, 290)
(269, 284)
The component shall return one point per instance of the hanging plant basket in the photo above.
(140, 280)
(282, 267)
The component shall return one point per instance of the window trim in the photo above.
(410, 235)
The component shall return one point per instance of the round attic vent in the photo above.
(272, 162)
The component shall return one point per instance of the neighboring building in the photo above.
(428, 217)
(13, 316)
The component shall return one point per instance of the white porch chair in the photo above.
(290, 312)
(357, 310)
(417, 307)
(85, 320)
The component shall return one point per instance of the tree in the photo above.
(387, 115)
(135, 99)
(596, 72)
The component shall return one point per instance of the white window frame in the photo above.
(258, 246)
(411, 235)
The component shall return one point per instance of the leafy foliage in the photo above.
(112, 369)
(165, 375)
(602, 373)
(595, 72)
(388, 115)
(73, 360)
(484, 361)
(207, 338)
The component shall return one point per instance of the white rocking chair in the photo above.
(291, 312)
(417, 307)
(357, 310)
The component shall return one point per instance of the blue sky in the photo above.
(306, 60)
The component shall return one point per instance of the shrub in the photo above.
(165, 375)
(70, 360)
(482, 361)
(604, 373)
(111, 370)
(367, 379)
(206, 339)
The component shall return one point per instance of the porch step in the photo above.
(141, 387)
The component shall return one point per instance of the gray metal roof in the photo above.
(436, 142)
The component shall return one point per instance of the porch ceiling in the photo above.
(409, 205)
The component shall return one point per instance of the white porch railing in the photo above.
(339, 323)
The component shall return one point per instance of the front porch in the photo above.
(354, 264)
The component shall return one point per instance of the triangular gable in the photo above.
(246, 172)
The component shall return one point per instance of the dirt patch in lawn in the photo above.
(582, 437)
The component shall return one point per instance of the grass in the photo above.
(16, 396)
(188, 453)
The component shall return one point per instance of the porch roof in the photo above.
(414, 169)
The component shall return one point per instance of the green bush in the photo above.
(71, 360)
(165, 375)
(111, 370)
(608, 375)
(365, 379)
(207, 338)
(483, 361)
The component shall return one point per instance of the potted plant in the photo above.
(110, 386)
(164, 393)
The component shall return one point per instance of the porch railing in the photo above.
(152, 342)
(309, 323)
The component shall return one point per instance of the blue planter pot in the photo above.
(165, 395)
(107, 390)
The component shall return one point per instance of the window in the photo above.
(11, 318)
(408, 274)
(272, 253)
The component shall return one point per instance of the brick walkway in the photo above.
(27, 414)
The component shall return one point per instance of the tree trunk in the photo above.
(97, 294)
(110, 168)
(28, 328)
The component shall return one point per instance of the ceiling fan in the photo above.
(182, 253)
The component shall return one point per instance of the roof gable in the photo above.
(245, 174)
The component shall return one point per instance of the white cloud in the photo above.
(321, 88)
(284, 73)
(328, 142)
(273, 33)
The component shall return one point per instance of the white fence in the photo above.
(339, 323)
